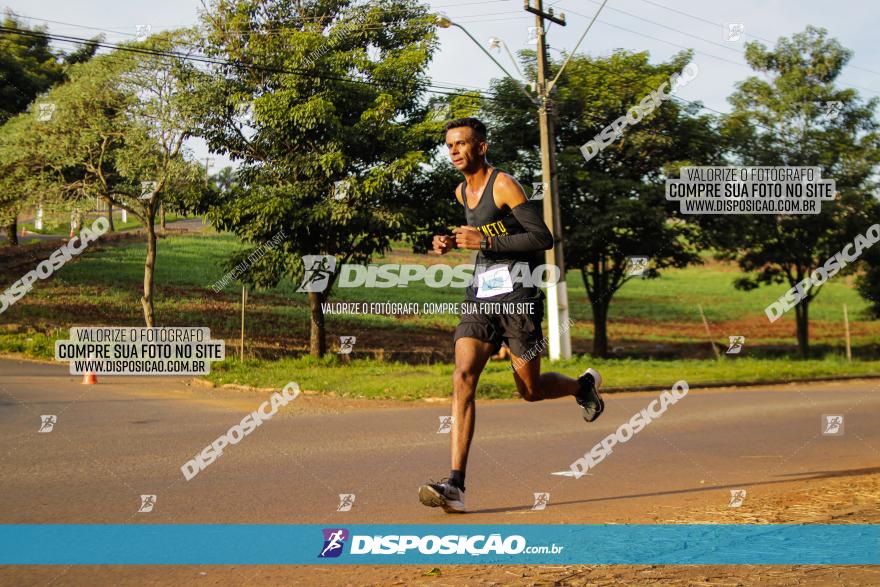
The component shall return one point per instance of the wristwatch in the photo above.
(484, 244)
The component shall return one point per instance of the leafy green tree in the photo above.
(326, 121)
(869, 283)
(795, 115)
(613, 206)
(427, 202)
(117, 132)
(28, 68)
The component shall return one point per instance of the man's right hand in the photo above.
(443, 244)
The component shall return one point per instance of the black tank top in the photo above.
(494, 222)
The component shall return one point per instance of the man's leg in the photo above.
(534, 386)
(470, 359)
(471, 355)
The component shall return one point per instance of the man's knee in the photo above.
(464, 381)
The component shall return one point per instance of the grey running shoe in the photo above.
(443, 495)
(588, 398)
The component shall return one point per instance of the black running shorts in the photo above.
(521, 332)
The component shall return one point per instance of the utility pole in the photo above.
(209, 162)
(557, 295)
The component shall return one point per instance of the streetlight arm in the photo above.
(512, 58)
(480, 45)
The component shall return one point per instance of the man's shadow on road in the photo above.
(804, 476)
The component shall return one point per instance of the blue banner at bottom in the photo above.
(703, 544)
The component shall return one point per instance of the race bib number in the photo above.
(494, 282)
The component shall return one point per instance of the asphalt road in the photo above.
(129, 436)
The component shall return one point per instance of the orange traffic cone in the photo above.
(89, 378)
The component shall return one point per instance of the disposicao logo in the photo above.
(334, 540)
(402, 544)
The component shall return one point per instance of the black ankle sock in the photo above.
(456, 478)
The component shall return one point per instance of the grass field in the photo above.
(372, 379)
(649, 319)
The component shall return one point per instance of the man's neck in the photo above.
(476, 178)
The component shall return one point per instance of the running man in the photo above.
(506, 229)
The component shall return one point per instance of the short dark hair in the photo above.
(474, 123)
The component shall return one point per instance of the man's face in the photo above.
(466, 151)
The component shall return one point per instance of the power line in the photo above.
(261, 30)
(723, 46)
(707, 21)
(685, 100)
(438, 83)
(578, 44)
(214, 61)
(737, 63)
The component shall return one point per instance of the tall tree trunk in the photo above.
(12, 232)
(600, 328)
(801, 312)
(317, 338)
(110, 217)
(149, 266)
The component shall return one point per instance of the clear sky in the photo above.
(662, 27)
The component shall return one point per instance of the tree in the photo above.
(118, 133)
(869, 282)
(613, 206)
(427, 203)
(782, 119)
(28, 68)
(322, 112)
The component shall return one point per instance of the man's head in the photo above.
(466, 142)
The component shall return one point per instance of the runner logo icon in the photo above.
(48, 422)
(319, 268)
(636, 266)
(334, 540)
(346, 500)
(736, 345)
(445, 424)
(541, 501)
(538, 190)
(148, 502)
(737, 497)
(833, 425)
(346, 344)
